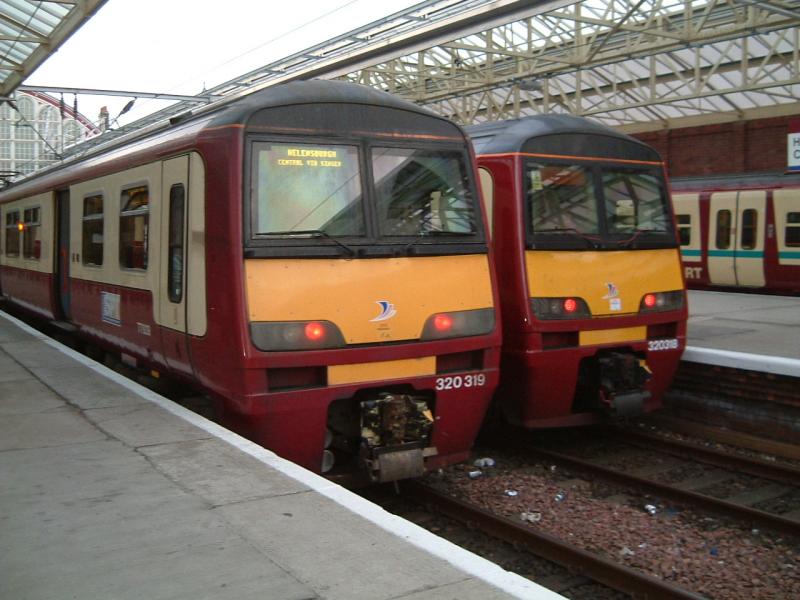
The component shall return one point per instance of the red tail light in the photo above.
(443, 322)
(650, 300)
(314, 331)
(570, 305)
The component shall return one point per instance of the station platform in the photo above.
(744, 331)
(108, 490)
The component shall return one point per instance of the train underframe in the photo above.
(585, 385)
(388, 430)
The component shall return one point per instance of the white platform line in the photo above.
(462, 559)
(777, 365)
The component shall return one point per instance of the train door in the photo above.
(787, 224)
(736, 238)
(63, 256)
(172, 264)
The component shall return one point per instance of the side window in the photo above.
(793, 229)
(93, 230)
(12, 233)
(31, 241)
(487, 187)
(684, 229)
(177, 196)
(133, 224)
(749, 228)
(723, 240)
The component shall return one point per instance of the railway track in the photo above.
(527, 539)
(726, 467)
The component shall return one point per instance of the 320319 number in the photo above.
(655, 345)
(460, 381)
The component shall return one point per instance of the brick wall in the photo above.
(740, 147)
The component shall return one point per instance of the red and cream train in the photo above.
(740, 232)
(312, 255)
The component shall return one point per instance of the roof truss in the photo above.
(634, 64)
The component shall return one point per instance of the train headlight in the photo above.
(560, 308)
(661, 301)
(460, 323)
(274, 336)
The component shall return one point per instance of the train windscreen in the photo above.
(422, 192)
(305, 187)
(328, 196)
(590, 205)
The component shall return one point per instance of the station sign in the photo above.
(793, 149)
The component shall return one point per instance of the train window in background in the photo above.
(422, 191)
(723, 241)
(133, 224)
(322, 181)
(749, 228)
(793, 229)
(684, 229)
(177, 196)
(31, 242)
(12, 233)
(561, 198)
(92, 230)
(634, 201)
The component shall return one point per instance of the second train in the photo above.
(588, 263)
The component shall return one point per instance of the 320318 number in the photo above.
(655, 345)
(460, 381)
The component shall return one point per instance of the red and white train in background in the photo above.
(740, 232)
(313, 256)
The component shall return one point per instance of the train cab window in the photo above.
(422, 192)
(684, 229)
(793, 229)
(723, 240)
(177, 196)
(31, 241)
(133, 225)
(634, 201)
(12, 233)
(303, 189)
(749, 229)
(92, 230)
(561, 199)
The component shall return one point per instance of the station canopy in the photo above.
(636, 65)
(31, 30)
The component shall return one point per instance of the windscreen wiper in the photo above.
(593, 241)
(628, 243)
(435, 233)
(314, 233)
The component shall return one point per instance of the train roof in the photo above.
(314, 91)
(183, 130)
(735, 181)
(558, 134)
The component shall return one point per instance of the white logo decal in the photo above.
(387, 311)
(613, 292)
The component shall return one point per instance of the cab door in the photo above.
(173, 263)
(736, 238)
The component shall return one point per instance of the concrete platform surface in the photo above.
(109, 491)
(747, 331)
